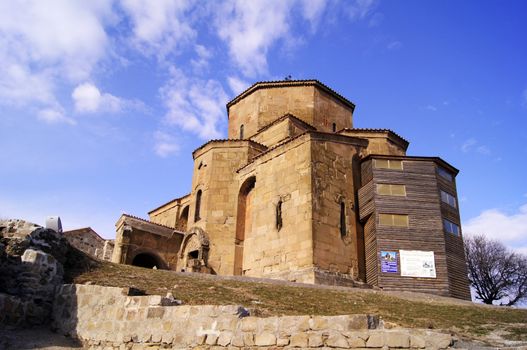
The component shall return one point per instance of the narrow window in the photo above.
(388, 164)
(334, 127)
(391, 190)
(279, 215)
(342, 219)
(198, 206)
(448, 199)
(450, 227)
(393, 220)
(445, 174)
(241, 132)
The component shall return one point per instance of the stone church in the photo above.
(297, 193)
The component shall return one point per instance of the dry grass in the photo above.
(464, 319)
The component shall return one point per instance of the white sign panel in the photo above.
(417, 263)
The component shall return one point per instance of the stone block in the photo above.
(211, 339)
(315, 340)
(356, 342)
(224, 338)
(318, 323)
(265, 339)
(237, 339)
(417, 342)
(248, 339)
(337, 340)
(397, 340)
(299, 340)
(155, 312)
(282, 341)
(438, 340)
(290, 324)
(376, 340)
(249, 324)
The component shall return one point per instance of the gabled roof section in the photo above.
(389, 132)
(286, 116)
(285, 83)
(84, 230)
(232, 141)
(146, 225)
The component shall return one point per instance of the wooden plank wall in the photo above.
(372, 269)
(366, 202)
(456, 263)
(425, 231)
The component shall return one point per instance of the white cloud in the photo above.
(204, 55)
(431, 108)
(160, 27)
(394, 45)
(312, 11)
(237, 85)
(44, 44)
(250, 28)
(511, 229)
(54, 115)
(195, 105)
(88, 99)
(472, 145)
(468, 145)
(165, 144)
(359, 9)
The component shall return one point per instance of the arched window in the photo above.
(241, 132)
(198, 206)
(342, 218)
(334, 127)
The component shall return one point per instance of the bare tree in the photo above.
(496, 273)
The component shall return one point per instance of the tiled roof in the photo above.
(374, 130)
(149, 222)
(285, 116)
(226, 140)
(282, 83)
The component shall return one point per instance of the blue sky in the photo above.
(102, 102)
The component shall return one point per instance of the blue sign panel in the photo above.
(389, 262)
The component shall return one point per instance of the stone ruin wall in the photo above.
(91, 243)
(31, 267)
(107, 318)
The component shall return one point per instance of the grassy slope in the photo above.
(464, 319)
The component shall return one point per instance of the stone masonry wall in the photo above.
(282, 174)
(334, 165)
(107, 318)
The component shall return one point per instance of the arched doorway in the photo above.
(194, 252)
(147, 260)
(243, 222)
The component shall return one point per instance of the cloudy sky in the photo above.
(102, 102)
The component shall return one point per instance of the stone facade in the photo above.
(89, 241)
(280, 199)
(107, 318)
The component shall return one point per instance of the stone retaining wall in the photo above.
(106, 317)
